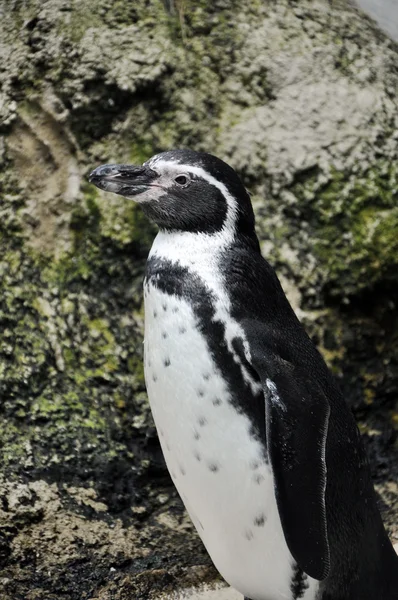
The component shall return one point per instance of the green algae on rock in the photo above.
(353, 224)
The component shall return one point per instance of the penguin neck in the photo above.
(198, 250)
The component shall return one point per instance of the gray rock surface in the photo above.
(301, 98)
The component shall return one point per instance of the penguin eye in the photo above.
(182, 180)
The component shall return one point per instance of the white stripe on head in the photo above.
(176, 167)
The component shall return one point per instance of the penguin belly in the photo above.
(218, 467)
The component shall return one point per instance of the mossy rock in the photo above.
(300, 97)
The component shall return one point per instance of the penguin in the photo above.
(255, 432)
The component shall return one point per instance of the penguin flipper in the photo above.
(296, 424)
(297, 416)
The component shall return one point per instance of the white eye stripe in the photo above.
(166, 165)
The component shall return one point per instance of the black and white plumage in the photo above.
(255, 432)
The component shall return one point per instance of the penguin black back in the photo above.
(362, 563)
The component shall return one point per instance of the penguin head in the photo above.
(183, 190)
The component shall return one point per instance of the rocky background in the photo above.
(300, 96)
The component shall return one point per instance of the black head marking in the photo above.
(222, 173)
(166, 362)
(217, 402)
(196, 435)
(202, 421)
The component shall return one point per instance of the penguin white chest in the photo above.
(216, 464)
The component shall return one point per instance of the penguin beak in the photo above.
(126, 180)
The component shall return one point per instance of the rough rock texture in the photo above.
(299, 96)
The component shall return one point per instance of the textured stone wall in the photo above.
(301, 98)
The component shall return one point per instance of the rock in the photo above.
(205, 594)
(301, 99)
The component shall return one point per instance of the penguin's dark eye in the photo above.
(181, 180)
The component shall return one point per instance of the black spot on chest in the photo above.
(214, 467)
(259, 521)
